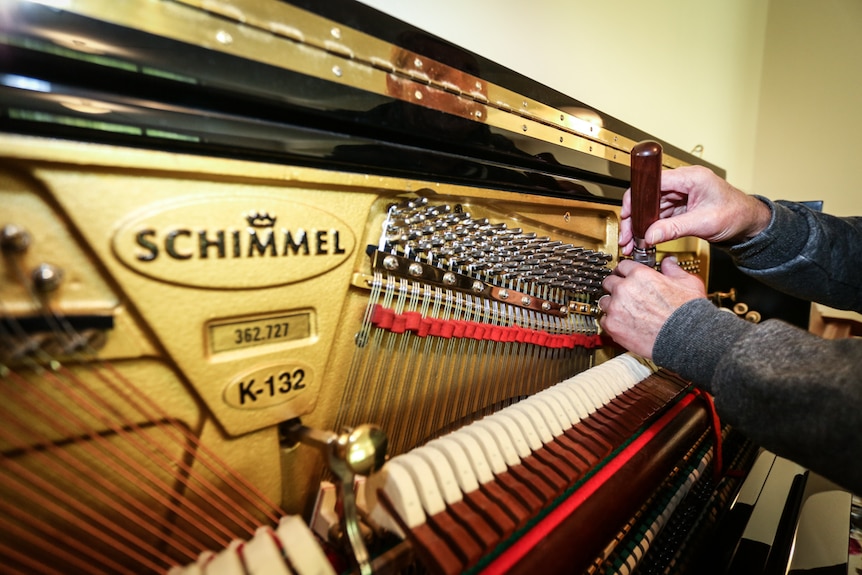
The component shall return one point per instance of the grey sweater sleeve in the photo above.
(807, 254)
(790, 391)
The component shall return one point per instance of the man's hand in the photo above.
(640, 300)
(696, 202)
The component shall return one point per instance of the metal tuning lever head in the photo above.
(646, 161)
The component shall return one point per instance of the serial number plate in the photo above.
(276, 329)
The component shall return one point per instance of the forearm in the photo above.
(813, 256)
(791, 392)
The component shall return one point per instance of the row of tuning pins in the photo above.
(452, 239)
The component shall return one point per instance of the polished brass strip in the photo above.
(288, 37)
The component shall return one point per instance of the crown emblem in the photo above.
(260, 220)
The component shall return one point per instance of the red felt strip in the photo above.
(413, 321)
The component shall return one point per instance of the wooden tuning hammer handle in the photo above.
(646, 161)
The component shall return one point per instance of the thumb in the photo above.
(671, 269)
(667, 229)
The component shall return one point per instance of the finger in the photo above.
(627, 267)
(670, 268)
(626, 210)
(681, 179)
(626, 233)
(672, 199)
(600, 303)
(626, 240)
(610, 283)
(674, 227)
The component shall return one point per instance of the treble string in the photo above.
(357, 379)
(398, 373)
(443, 374)
(374, 412)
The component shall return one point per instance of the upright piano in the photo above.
(297, 287)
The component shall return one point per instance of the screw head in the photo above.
(47, 277)
(14, 239)
(390, 263)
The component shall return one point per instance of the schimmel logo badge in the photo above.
(225, 243)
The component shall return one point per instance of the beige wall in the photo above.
(809, 129)
(687, 71)
(772, 90)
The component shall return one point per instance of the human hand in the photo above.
(640, 300)
(696, 202)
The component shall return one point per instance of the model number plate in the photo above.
(268, 385)
(276, 329)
